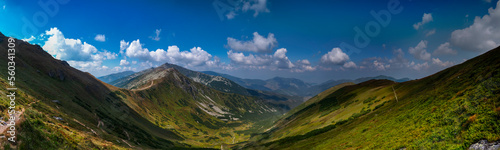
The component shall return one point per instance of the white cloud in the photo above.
(29, 39)
(420, 51)
(380, 65)
(257, 44)
(437, 61)
(488, 1)
(278, 60)
(335, 56)
(135, 49)
(123, 45)
(104, 55)
(399, 59)
(250, 60)
(157, 35)
(281, 60)
(350, 64)
(444, 49)
(418, 67)
(124, 62)
(483, 35)
(258, 6)
(303, 65)
(431, 32)
(195, 57)
(94, 67)
(134, 62)
(72, 49)
(3, 7)
(425, 19)
(100, 38)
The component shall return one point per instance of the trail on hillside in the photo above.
(152, 82)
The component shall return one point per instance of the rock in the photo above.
(58, 118)
(484, 145)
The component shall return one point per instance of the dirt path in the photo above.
(152, 82)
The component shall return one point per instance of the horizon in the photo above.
(259, 39)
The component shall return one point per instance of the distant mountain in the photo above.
(115, 76)
(295, 87)
(452, 109)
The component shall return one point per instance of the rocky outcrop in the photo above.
(484, 145)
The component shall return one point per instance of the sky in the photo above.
(314, 40)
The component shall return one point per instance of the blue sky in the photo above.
(258, 38)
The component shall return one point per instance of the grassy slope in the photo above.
(84, 102)
(451, 109)
(172, 102)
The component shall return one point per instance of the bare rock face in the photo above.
(484, 145)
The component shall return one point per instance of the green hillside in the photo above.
(203, 116)
(65, 108)
(451, 109)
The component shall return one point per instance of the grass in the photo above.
(451, 109)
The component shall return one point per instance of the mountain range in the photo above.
(170, 107)
(295, 87)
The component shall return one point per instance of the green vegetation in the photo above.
(451, 109)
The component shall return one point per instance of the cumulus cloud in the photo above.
(257, 44)
(258, 6)
(420, 51)
(250, 60)
(482, 35)
(335, 56)
(438, 62)
(123, 45)
(100, 38)
(418, 67)
(135, 49)
(425, 19)
(303, 65)
(350, 64)
(72, 49)
(444, 49)
(278, 60)
(281, 60)
(156, 37)
(192, 58)
(124, 62)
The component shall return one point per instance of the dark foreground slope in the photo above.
(64, 108)
(451, 109)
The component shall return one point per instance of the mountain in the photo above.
(451, 109)
(331, 83)
(294, 87)
(220, 83)
(203, 116)
(64, 108)
(112, 77)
